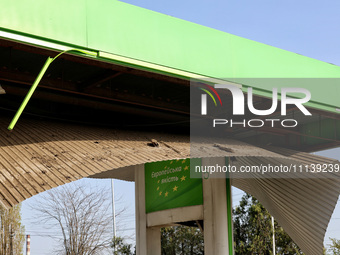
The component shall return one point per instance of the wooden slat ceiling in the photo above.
(303, 207)
(39, 155)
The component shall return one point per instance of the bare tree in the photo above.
(12, 232)
(82, 215)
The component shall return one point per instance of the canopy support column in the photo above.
(148, 240)
(216, 237)
(154, 240)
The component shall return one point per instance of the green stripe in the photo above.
(229, 212)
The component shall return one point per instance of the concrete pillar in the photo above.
(148, 240)
(215, 211)
(153, 241)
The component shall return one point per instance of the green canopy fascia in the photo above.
(133, 36)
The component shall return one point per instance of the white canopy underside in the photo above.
(40, 155)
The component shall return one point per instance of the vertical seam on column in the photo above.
(229, 211)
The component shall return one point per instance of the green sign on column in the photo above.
(168, 185)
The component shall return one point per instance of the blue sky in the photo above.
(310, 28)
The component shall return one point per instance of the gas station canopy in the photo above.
(134, 89)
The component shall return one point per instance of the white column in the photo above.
(148, 240)
(215, 211)
(153, 241)
(140, 211)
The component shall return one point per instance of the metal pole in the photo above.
(113, 214)
(11, 242)
(273, 235)
(49, 60)
(28, 244)
(30, 93)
